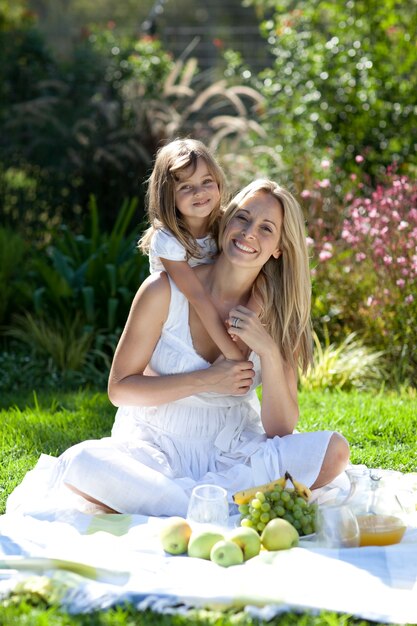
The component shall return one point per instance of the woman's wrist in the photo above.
(271, 354)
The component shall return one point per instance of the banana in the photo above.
(244, 496)
(302, 490)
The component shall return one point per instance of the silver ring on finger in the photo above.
(235, 322)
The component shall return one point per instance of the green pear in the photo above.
(226, 553)
(201, 542)
(279, 534)
(247, 539)
(175, 535)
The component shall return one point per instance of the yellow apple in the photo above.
(247, 539)
(201, 542)
(175, 535)
(279, 534)
(226, 553)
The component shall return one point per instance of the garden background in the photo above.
(321, 96)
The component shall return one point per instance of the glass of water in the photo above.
(337, 527)
(208, 505)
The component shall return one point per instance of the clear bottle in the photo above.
(380, 504)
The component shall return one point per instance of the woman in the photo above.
(189, 416)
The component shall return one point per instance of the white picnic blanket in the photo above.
(87, 562)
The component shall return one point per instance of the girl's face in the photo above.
(196, 196)
(254, 232)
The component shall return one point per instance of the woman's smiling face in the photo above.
(253, 234)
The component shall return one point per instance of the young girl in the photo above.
(184, 201)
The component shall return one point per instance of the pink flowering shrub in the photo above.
(365, 271)
(383, 229)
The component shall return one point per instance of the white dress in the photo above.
(164, 245)
(156, 455)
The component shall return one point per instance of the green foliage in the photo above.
(365, 269)
(66, 128)
(95, 274)
(70, 299)
(13, 14)
(343, 81)
(23, 365)
(67, 345)
(348, 365)
(15, 288)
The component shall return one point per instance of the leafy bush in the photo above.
(15, 286)
(343, 82)
(95, 274)
(78, 294)
(66, 131)
(365, 277)
(66, 345)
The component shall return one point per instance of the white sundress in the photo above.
(156, 455)
(165, 245)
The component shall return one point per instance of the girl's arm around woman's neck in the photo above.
(130, 382)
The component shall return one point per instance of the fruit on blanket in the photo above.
(279, 503)
(175, 535)
(301, 490)
(248, 541)
(279, 534)
(201, 543)
(226, 553)
(244, 496)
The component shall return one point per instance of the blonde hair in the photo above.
(170, 161)
(283, 285)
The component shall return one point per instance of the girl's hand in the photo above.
(230, 377)
(245, 325)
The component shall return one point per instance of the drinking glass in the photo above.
(208, 505)
(337, 527)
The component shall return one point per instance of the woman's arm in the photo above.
(279, 411)
(129, 381)
(188, 283)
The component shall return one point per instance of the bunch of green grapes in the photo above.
(279, 503)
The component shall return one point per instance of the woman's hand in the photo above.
(245, 325)
(279, 408)
(230, 377)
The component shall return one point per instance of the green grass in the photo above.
(26, 614)
(380, 427)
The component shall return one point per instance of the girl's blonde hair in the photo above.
(170, 161)
(283, 285)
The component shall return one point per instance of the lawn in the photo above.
(380, 427)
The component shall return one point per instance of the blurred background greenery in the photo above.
(319, 95)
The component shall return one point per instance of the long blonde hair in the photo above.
(283, 285)
(170, 161)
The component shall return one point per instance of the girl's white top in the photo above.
(165, 245)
